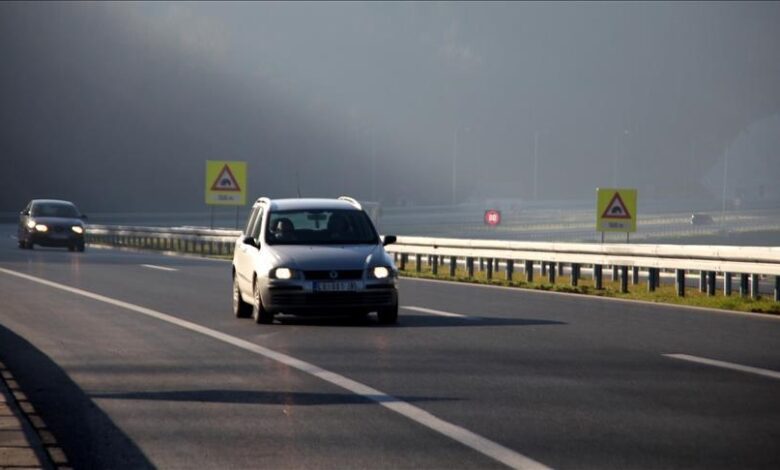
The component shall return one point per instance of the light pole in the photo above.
(454, 164)
(536, 164)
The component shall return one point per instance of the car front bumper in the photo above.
(300, 298)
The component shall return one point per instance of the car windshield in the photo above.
(54, 209)
(320, 227)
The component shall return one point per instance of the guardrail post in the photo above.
(702, 281)
(635, 275)
(453, 265)
(615, 274)
(560, 269)
(777, 288)
(743, 285)
(418, 263)
(598, 277)
(509, 269)
(529, 271)
(543, 268)
(754, 292)
(551, 273)
(651, 279)
(711, 283)
(402, 264)
(624, 279)
(575, 274)
(489, 273)
(470, 267)
(481, 264)
(680, 278)
(435, 264)
(726, 284)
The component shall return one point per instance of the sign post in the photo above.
(225, 185)
(615, 210)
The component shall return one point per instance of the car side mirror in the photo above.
(24, 213)
(250, 241)
(389, 240)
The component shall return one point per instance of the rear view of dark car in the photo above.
(50, 222)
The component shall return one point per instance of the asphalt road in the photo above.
(134, 366)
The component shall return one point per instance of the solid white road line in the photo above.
(726, 365)
(161, 268)
(433, 312)
(474, 441)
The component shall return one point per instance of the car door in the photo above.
(245, 252)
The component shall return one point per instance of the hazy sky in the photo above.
(118, 105)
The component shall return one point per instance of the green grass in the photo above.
(664, 294)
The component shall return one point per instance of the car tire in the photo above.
(71, 247)
(22, 245)
(259, 313)
(241, 309)
(388, 315)
(80, 247)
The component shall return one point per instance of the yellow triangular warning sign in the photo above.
(616, 209)
(225, 181)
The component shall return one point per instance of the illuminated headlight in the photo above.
(78, 229)
(30, 224)
(41, 228)
(282, 273)
(381, 272)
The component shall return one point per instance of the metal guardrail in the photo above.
(194, 240)
(648, 261)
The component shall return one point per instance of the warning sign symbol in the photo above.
(225, 181)
(616, 209)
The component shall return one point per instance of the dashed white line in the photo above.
(726, 365)
(161, 268)
(440, 313)
(459, 434)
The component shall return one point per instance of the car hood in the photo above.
(318, 257)
(58, 221)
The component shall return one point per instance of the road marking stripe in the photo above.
(474, 441)
(161, 268)
(433, 312)
(726, 365)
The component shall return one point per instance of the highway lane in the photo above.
(571, 382)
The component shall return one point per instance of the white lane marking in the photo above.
(726, 365)
(161, 268)
(474, 441)
(433, 312)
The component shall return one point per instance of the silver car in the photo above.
(313, 257)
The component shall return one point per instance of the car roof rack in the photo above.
(351, 200)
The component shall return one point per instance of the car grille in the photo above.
(341, 274)
(58, 228)
(328, 299)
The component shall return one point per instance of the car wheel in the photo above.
(241, 309)
(22, 245)
(71, 247)
(259, 313)
(80, 247)
(388, 315)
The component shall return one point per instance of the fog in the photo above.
(117, 106)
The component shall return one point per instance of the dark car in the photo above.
(50, 222)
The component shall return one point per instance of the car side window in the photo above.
(251, 223)
(258, 224)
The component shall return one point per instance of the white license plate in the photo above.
(337, 286)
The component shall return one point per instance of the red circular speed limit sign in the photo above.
(492, 217)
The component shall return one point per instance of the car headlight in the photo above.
(380, 272)
(282, 273)
(78, 229)
(41, 228)
(30, 223)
